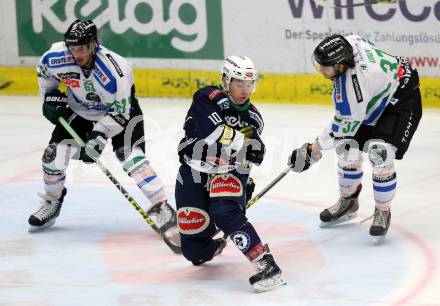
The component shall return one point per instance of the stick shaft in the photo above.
(118, 185)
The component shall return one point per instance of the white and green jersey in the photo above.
(361, 94)
(103, 95)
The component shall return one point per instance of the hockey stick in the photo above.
(255, 199)
(175, 248)
(364, 3)
(268, 187)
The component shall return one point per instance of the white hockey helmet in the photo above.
(239, 67)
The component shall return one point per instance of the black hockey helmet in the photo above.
(334, 49)
(81, 32)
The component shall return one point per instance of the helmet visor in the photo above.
(315, 65)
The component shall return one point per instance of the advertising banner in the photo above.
(179, 45)
(282, 34)
(132, 28)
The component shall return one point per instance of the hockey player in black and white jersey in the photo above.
(100, 104)
(377, 110)
(222, 141)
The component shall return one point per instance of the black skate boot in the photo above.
(381, 223)
(45, 216)
(268, 276)
(344, 210)
(165, 218)
(220, 245)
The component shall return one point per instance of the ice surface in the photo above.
(101, 252)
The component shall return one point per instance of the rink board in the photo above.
(272, 87)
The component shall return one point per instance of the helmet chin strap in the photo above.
(232, 102)
(91, 63)
(338, 73)
(228, 94)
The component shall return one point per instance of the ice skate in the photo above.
(268, 276)
(381, 223)
(46, 215)
(344, 210)
(220, 245)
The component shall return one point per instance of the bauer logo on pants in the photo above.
(191, 220)
(225, 185)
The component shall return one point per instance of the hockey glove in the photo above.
(255, 150)
(55, 106)
(301, 158)
(250, 187)
(94, 146)
(249, 132)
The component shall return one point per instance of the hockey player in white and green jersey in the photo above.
(100, 104)
(377, 110)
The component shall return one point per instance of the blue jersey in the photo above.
(212, 131)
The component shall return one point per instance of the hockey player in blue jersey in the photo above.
(222, 142)
(100, 104)
(377, 110)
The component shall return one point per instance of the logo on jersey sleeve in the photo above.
(101, 76)
(225, 185)
(357, 88)
(117, 68)
(338, 91)
(192, 220)
(213, 93)
(60, 60)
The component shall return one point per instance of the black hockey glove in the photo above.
(55, 106)
(255, 150)
(94, 146)
(301, 158)
(250, 187)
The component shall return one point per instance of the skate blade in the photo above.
(33, 229)
(377, 239)
(269, 284)
(173, 235)
(343, 219)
